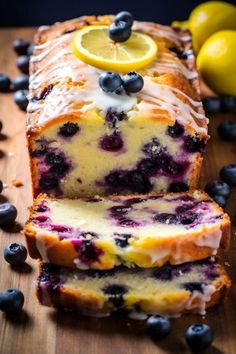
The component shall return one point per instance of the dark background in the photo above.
(38, 12)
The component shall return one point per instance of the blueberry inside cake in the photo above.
(171, 290)
(84, 141)
(142, 230)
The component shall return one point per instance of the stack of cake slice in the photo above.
(141, 250)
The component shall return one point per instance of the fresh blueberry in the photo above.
(220, 199)
(5, 83)
(112, 142)
(218, 188)
(15, 254)
(158, 327)
(137, 182)
(20, 98)
(199, 337)
(23, 64)
(11, 300)
(30, 50)
(193, 286)
(167, 218)
(133, 82)
(194, 144)
(178, 187)
(110, 82)
(228, 103)
(211, 105)
(21, 83)
(8, 213)
(20, 46)
(176, 130)
(125, 16)
(227, 130)
(148, 166)
(48, 182)
(228, 174)
(68, 129)
(119, 31)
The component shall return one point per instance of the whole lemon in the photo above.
(210, 17)
(216, 62)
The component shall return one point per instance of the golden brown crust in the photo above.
(63, 252)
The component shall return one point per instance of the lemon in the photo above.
(180, 24)
(216, 62)
(210, 17)
(93, 46)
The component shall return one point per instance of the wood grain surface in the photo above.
(41, 330)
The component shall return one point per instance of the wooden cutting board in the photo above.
(41, 330)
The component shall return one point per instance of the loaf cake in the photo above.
(141, 230)
(83, 141)
(170, 290)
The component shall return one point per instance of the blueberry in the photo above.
(59, 171)
(54, 159)
(5, 83)
(39, 151)
(48, 182)
(137, 182)
(110, 82)
(1, 186)
(176, 130)
(21, 83)
(68, 129)
(153, 148)
(227, 130)
(120, 210)
(218, 188)
(125, 16)
(112, 117)
(23, 64)
(199, 337)
(193, 286)
(119, 31)
(15, 254)
(228, 103)
(20, 46)
(194, 144)
(167, 218)
(178, 187)
(158, 327)
(30, 50)
(188, 218)
(163, 273)
(116, 292)
(228, 174)
(172, 168)
(20, 98)
(114, 179)
(8, 214)
(125, 222)
(148, 166)
(211, 105)
(122, 240)
(11, 300)
(112, 142)
(133, 82)
(219, 199)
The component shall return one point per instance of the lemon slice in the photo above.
(93, 46)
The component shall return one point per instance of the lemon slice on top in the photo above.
(93, 46)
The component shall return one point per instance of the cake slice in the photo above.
(83, 141)
(142, 230)
(171, 290)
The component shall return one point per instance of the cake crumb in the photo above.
(17, 183)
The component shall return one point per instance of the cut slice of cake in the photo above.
(142, 230)
(83, 141)
(170, 290)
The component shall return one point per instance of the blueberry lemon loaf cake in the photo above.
(142, 230)
(171, 290)
(84, 141)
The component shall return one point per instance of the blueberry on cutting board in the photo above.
(158, 327)
(199, 337)
(8, 214)
(11, 300)
(227, 131)
(228, 174)
(15, 254)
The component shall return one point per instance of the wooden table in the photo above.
(41, 330)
